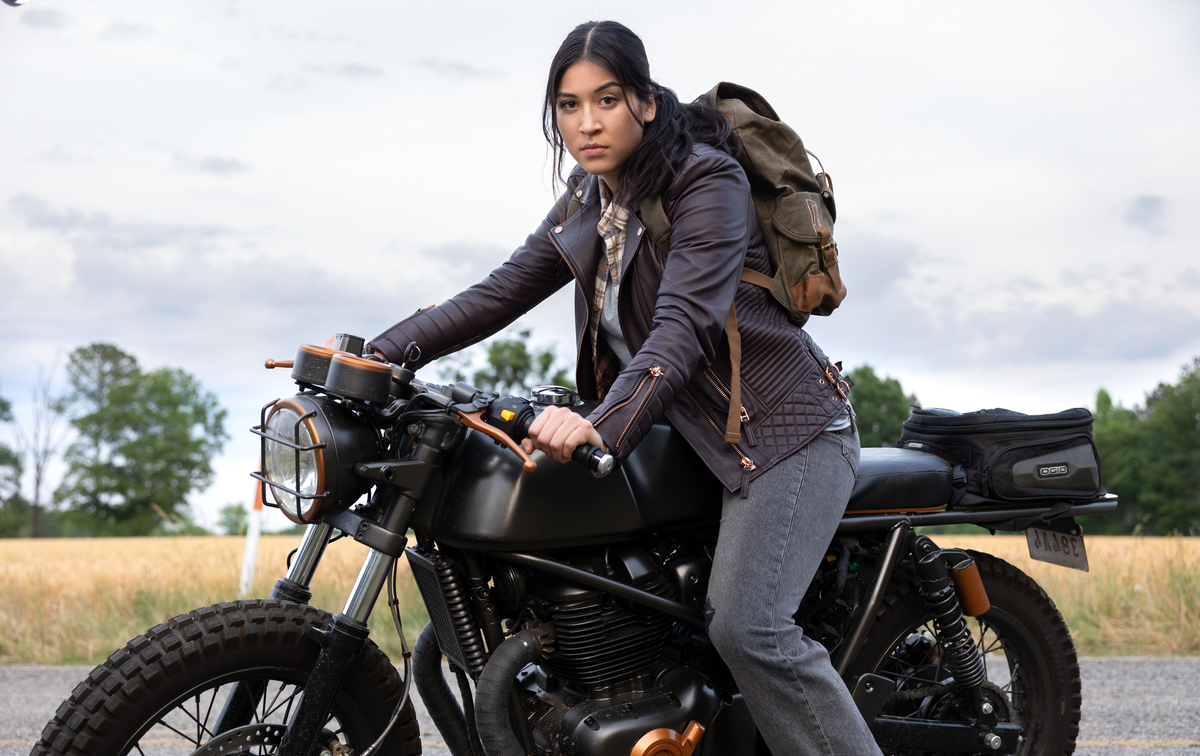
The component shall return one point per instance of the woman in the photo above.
(649, 326)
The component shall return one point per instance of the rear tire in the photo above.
(1026, 647)
(163, 692)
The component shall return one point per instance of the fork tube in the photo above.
(245, 696)
(312, 547)
(294, 587)
(367, 585)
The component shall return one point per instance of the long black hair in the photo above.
(668, 139)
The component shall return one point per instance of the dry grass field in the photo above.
(1141, 598)
(74, 601)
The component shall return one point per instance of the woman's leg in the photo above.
(768, 550)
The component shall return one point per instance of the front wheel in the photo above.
(165, 691)
(1032, 670)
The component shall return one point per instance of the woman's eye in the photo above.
(608, 100)
(566, 104)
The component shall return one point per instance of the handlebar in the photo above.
(505, 419)
(513, 415)
(593, 458)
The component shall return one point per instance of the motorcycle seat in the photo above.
(900, 480)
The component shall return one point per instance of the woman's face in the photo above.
(596, 124)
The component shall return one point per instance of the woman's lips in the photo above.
(592, 150)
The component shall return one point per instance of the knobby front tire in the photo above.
(1026, 647)
(163, 692)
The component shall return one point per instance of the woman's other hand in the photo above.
(558, 431)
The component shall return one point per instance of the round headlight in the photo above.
(316, 475)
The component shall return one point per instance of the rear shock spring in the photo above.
(460, 616)
(961, 654)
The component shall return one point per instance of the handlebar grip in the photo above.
(593, 458)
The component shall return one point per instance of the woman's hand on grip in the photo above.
(558, 431)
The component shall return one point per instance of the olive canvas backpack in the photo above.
(795, 206)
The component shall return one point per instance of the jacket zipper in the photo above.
(642, 313)
(725, 393)
(652, 375)
(747, 464)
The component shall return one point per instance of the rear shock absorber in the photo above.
(938, 589)
(460, 615)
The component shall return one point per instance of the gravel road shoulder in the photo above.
(1131, 707)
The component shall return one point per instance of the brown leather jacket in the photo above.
(672, 310)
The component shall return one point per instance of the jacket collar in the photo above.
(580, 239)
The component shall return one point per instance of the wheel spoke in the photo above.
(172, 728)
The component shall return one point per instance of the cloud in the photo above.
(98, 231)
(45, 19)
(1146, 212)
(900, 310)
(123, 32)
(356, 71)
(456, 69)
(305, 77)
(217, 166)
(196, 287)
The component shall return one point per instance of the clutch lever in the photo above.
(475, 421)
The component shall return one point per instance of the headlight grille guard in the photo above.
(264, 435)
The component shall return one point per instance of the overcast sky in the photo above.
(207, 184)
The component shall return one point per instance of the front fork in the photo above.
(340, 643)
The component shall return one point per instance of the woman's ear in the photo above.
(650, 109)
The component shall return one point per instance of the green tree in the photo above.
(93, 371)
(511, 367)
(880, 406)
(157, 433)
(1151, 458)
(233, 519)
(14, 510)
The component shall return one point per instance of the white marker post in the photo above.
(250, 556)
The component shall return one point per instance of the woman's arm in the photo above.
(534, 272)
(708, 204)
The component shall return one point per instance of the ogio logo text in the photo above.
(1052, 471)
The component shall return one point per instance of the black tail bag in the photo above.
(1012, 456)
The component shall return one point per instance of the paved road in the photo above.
(1131, 707)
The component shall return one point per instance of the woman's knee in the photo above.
(735, 635)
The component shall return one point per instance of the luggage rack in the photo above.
(1005, 517)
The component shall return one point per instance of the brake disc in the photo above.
(241, 739)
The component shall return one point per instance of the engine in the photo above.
(606, 683)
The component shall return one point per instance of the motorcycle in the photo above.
(567, 599)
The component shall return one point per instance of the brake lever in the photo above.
(475, 420)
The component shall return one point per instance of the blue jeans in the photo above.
(768, 551)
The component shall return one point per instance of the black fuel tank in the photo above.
(489, 503)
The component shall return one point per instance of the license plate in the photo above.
(1063, 549)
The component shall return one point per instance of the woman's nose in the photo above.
(589, 124)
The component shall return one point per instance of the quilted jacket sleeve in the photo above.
(707, 204)
(533, 273)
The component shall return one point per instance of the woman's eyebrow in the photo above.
(597, 90)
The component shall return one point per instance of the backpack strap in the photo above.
(732, 433)
(658, 225)
(658, 228)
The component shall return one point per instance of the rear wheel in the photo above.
(1032, 670)
(165, 691)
